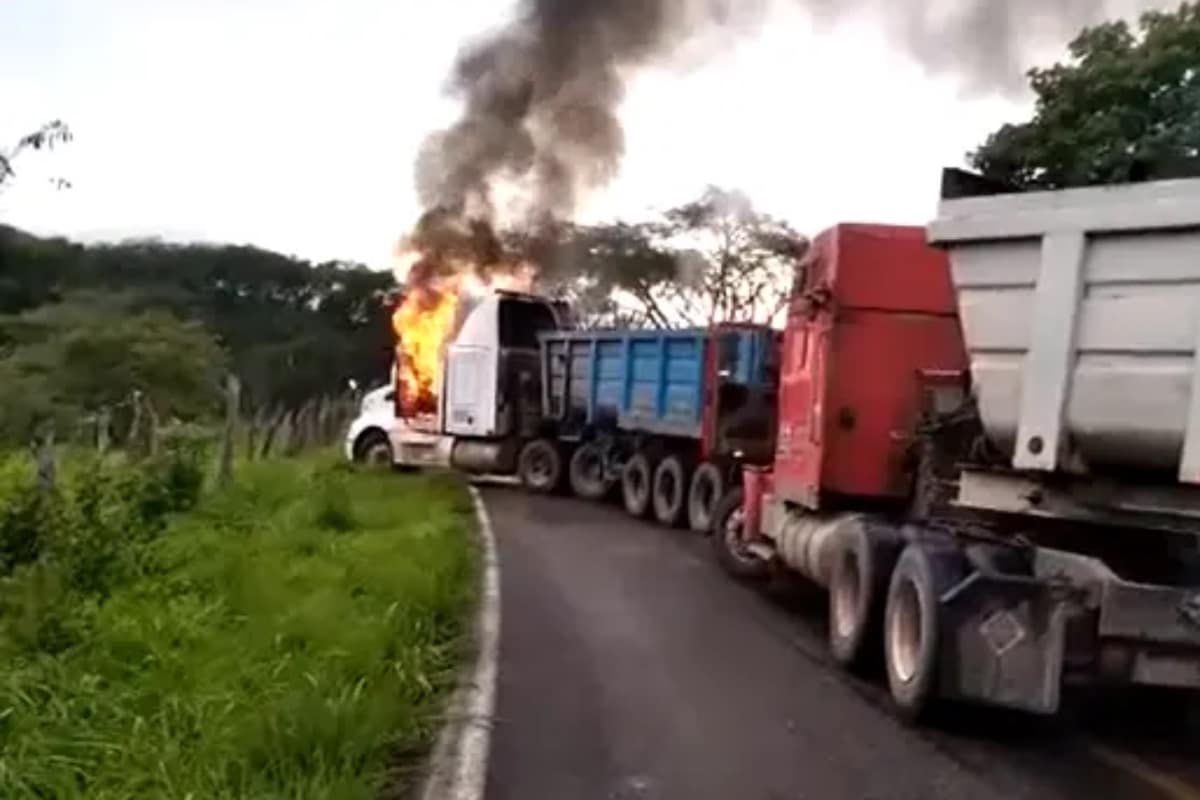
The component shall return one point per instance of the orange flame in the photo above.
(424, 321)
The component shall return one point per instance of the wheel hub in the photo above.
(539, 466)
(846, 593)
(905, 633)
(592, 467)
(733, 535)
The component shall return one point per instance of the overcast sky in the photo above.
(292, 124)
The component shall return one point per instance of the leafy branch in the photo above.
(47, 137)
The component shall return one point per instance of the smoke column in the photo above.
(988, 44)
(541, 98)
(541, 95)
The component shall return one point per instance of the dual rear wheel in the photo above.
(671, 490)
(589, 472)
(540, 466)
(637, 483)
(883, 601)
(912, 628)
(877, 609)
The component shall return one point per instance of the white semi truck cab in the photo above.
(490, 398)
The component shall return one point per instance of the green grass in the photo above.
(293, 636)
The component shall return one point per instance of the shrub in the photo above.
(27, 517)
(39, 613)
(62, 549)
(333, 509)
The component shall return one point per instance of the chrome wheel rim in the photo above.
(539, 466)
(733, 535)
(905, 632)
(378, 455)
(846, 593)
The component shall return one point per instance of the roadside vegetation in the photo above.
(289, 635)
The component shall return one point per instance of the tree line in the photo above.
(85, 327)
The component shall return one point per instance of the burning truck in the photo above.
(467, 386)
(666, 419)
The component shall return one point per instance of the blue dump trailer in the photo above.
(667, 416)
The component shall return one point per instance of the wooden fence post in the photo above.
(133, 439)
(255, 423)
(273, 423)
(315, 434)
(233, 404)
(103, 429)
(152, 426)
(47, 470)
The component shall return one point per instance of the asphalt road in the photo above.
(632, 668)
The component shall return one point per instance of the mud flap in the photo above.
(1002, 642)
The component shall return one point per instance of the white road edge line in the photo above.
(458, 766)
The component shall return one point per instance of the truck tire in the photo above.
(912, 628)
(374, 450)
(636, 483)
(706, 490)
(858, 586)
(670, 491)
(540, 467)
(730, 550)
(587, 473)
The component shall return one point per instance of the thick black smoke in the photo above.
(542, 95)
(988, 44)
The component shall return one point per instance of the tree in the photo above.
(63, 361)
(290, 327)
(292, 331)
(739, 264)
(46, 137)
(607, 273)
(1125, 107)
(713, 260)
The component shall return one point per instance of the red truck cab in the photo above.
(874, 311)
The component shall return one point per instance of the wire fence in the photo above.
(134, 426)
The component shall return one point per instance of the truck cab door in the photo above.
(471, 367)
(470, 391)
(799, 453)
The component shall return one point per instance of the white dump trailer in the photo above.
(1080, 312)
(1081, 315)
